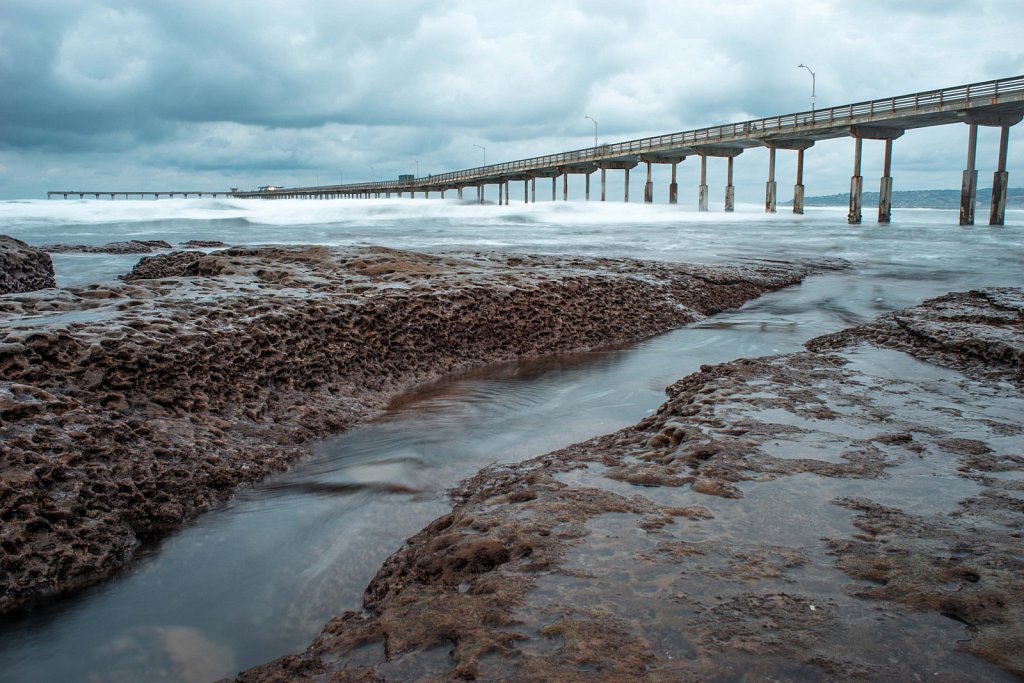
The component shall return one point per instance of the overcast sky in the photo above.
(209, 94)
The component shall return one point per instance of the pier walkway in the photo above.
(998, 103)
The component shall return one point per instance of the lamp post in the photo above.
(484, 150)
(813, 80)
(595, 129)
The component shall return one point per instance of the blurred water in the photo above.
(259, 577)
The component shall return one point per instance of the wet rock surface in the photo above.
(128, 247)
(23, 268)
(848, 513)
(128, 408)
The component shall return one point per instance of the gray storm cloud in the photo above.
(235, 90)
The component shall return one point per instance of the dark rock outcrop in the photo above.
(23, 268)
(129, 247)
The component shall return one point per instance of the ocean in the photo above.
(258, 578)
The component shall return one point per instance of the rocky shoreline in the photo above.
(128, 408)
(851, 513)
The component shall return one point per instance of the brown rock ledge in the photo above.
(847, 514)
(128, 408)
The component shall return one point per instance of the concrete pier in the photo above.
(625, 196)
(856, 184)
(586, 188)
(997, 103)
(533, 190)
(969, 183)
(565, 187)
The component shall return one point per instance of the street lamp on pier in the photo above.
(484, 150)
(595, 129)
(813, 79)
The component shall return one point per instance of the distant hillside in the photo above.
(920, 199)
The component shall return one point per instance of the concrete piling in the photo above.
(673, 186)
(969, 184)
(885, 189)
(702, 191)
(730, 191)
(856, 185)
(1000, 179)
(648, 187)
(625, 197)
(770, 189)
(798, 188)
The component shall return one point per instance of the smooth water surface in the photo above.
(259, 577)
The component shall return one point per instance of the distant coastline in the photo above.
(918, 199)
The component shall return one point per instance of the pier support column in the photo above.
(673, 186)
(702, 191)
(648, 187)
(798, 188)
(526, 191)
(770, 188)
(554, 187)
(969, 186)
(565, 187)
(586, 187)
(1000, 179)
(533, 190)
(730, 190)
(603, 174)
(856, 185)
(625, 194)
(885, 189)
(460, 193)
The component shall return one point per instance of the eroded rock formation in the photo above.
(128, 408)
(848, 513)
